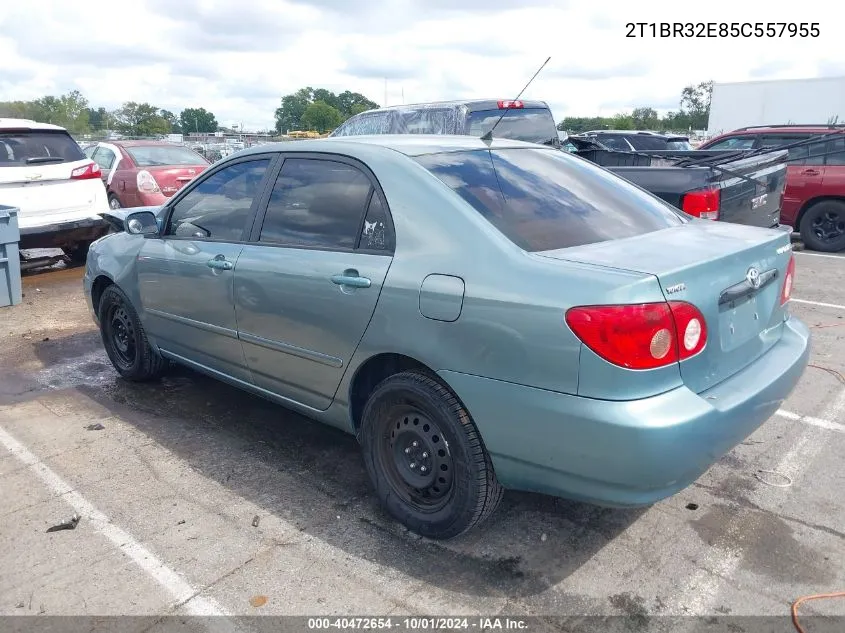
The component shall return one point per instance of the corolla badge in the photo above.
(753, 277)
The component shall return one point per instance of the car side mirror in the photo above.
(141, 223)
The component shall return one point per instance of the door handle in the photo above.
(219, 263)
(810, 172)
(351, 279)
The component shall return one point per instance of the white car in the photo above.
(59, 191)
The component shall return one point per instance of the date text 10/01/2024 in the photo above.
(722, 29)
(418, 623)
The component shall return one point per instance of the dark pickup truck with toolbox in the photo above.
(740, 190)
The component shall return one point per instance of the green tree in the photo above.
(197, 120)
(99, 119)
(322, 117)
(645, 118)
(140, 119)
(289, 113)
(695, 102)
(350, 103)
(172, 120)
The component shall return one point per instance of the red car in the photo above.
(144, 173)
(814, 199)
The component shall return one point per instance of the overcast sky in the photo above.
(238, 57)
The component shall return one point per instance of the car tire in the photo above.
(114, 202)
(79, 253)
(822, 227)
(426, 458)
(125, 339)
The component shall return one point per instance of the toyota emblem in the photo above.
(753, 277)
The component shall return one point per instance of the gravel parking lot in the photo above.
(198, 499)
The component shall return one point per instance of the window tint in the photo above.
(546, 199)
(734, 142)
(614, 142)
(679, 144)
(157, 155)
(218, 208)
(643, 141)
(797, 155)
(104, 157)
(815, 154)
(376, 234)
(38, 147)
(534, 125)
(317, 203)
(836, 147)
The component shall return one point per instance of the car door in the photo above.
(106, 159)
(834, 171)
(307, 284)
(804, 171)
(186, 276)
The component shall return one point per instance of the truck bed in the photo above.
(750, 189)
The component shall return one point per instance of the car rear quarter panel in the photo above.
(511, 325)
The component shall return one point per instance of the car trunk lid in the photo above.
(171, 178)
(710, 265)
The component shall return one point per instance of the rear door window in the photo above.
(316, 203)
(363, 124)
(38, 147)
(614, 142)
(545, 199)
(836, 152)
(797, 155)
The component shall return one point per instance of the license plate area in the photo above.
(739, 322)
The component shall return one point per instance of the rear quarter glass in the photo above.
(545, 199)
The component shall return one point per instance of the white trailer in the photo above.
(778, 102)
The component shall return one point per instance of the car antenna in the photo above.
(489, 135)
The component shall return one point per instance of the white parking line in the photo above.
(806, 419)
(724, 557)
(183, 594)
(820, 255)
(819, 303)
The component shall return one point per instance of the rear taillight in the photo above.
(640, 336)
(91, 170)
(702, 204)
(509, 105)
(788, 280)
(146, 182)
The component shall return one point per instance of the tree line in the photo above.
(318, 109)
(692, 115)
(73, 112)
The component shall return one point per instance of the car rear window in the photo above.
(546, 199)
(156, 155)
(534, 125)
(37, 147)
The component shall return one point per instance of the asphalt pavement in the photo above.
(197, 499)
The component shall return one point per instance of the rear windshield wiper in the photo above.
(44, 159)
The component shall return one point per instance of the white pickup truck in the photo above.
(58, 190)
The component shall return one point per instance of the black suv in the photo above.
(632, 140)
(529, 121)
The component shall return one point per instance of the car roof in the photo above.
(18, 124)
(408, 144)
(471, 104)
(784, 129)
(638, 133)
(140, 143)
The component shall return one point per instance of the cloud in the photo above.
(380, 67)
(597, 73)
(770, 68)
(830, 68)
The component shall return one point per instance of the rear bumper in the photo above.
(626, 453)
(63, 234)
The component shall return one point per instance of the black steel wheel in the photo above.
(125, 339)
(823, 226)
(426, 458)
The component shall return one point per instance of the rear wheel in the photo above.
(425, 457)
(823, 226)
(125, 339)
(114, 203)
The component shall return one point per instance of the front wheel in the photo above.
(823, 226)
(125, 339)
(425, 457)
